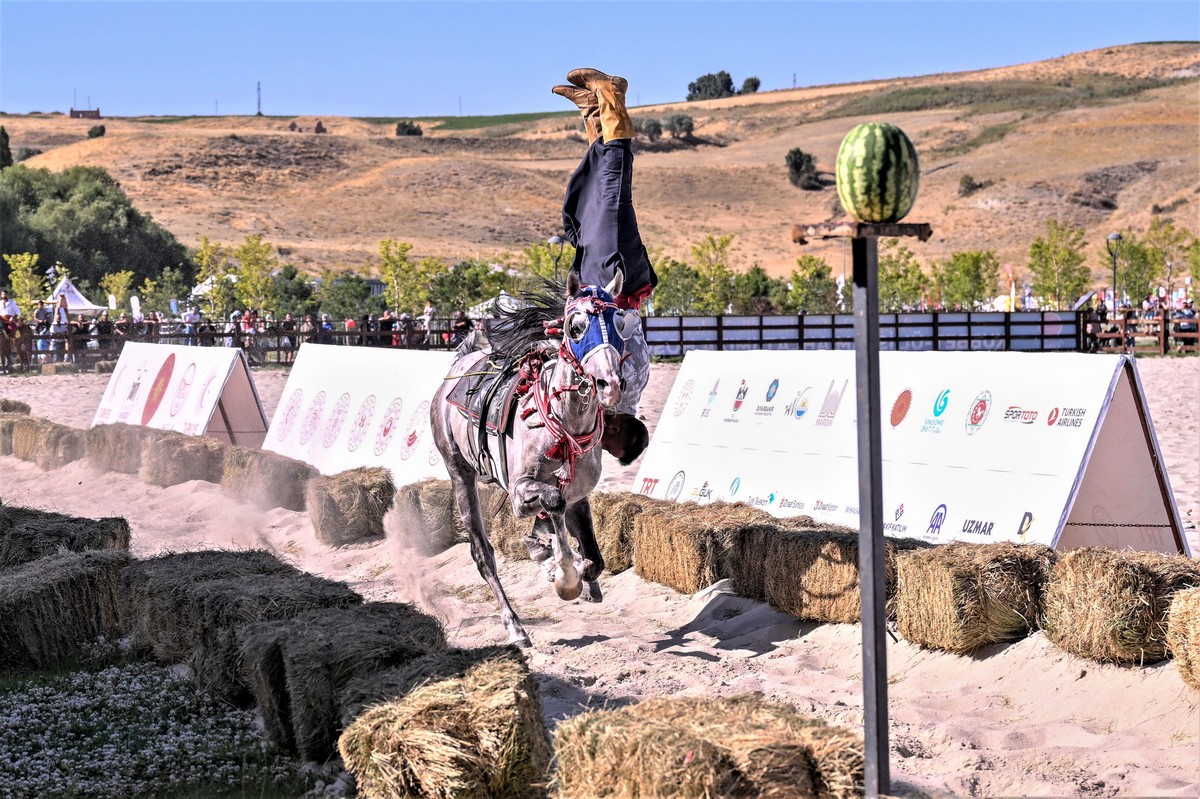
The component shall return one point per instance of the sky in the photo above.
(413, 59)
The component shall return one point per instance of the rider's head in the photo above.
(625, 437)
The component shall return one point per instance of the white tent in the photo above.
(76, 302)
(502, 302)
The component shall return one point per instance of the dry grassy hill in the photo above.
(1097, 139)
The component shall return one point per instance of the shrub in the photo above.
(802, 169)
(750, 85)
(25, 153)
(408, 128)
(967, 185)
(680, 126)
(652, 129)
(96, 132)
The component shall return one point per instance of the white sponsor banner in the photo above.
(193, 390)
(347, 407)
(1056, 448)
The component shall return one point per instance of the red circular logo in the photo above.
(1052, 418)
(158, 389)
(900, 407)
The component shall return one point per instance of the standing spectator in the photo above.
(287, 337)
(41, 325)
(460, 326)
(80, 334)
(102, 329)
(308, 330)
(60, 321)
(404, 338)
(326, 329)
(387, 323)
(191, 322)
(426, 322)
(233, 330)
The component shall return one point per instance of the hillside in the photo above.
(1097, 139)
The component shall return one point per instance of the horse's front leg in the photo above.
(466, 495)
(533, 496)
(591, 561)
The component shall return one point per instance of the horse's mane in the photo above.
(521, 330)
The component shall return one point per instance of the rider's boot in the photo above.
(610, 93)
(589, 108)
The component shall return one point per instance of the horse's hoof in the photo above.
(568, 593)
(592, 592)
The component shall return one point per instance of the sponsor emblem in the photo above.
(772, 389)
(337, 417)
(743, 389)
(1019, 415)
(181, 391)
(978, 412)
(900, 407)
(675, 486)
(899, 511)
(799, 406)
(158, 389)
(412, 435)
(648, 485)
(387, 425)
(1066, 417)
(977, 527)
(829, 408)
(1052, 417)
(362, 423)
(313, 418)
(939, 405)
(936, 520)
(712, 396)
(685, 396)
(435, 457)
(1023, 527)
(291, 412)
(734, 486)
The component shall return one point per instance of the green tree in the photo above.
(813, 287)
(214, 268)
(675, 294)
(25, 283)
(1168, 247)
(714, 276)
(802, 169)
(467, 284)
(293, 293)
(750, 85)
(537, 260)
(1056, 263)
(118, 285)
(902, 284)
(407, 127)
(156, 295)
(396, 269)
(348, 296)
(756, 292)
(256, 265)
(1138, 271)
(968, 279)
(711, 86)
(6, 157)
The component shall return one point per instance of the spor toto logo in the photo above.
(939, 405)
(978, 412)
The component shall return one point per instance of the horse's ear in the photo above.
(615, 285)
(572, 283)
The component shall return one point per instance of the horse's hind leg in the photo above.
(466, 495)
(591, 563)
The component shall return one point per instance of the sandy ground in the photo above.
(1021, 719)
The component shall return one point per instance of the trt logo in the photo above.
(648, 485)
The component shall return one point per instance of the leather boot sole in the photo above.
(586, 78)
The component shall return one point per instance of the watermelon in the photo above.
(877, 173)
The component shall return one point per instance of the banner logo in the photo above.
(337, 417)
(290, 412)
(158, 389)
(387, 425)
(939, 405)
(181, 391)
(675, 486)
(734, 486)
(829, 407)
(936, 520)
(977, 527)
(772, 389)
(743, 389)
(900, 407)
(685, 396)
(1066, 417)
(1052, 417)
(412, 435)
(313, 418)
(799, 406)
(1023, 527)
(1016, 413)
(712, 395)
(899, 511)
(362, 422)
(978, 413)
(648, 485)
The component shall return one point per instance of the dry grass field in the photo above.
(1096, 139)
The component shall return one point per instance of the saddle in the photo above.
(488, 399)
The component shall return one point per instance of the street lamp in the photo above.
(1114, 246)
(560, 242)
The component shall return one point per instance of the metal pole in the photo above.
(870, 509)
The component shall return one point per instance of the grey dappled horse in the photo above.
(529, 415)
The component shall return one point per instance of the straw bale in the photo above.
(29, 534)
(454, 723)
(51, 608)
(959, 597)
(1112, 606)
(157, 612)
(299, 668)
(45, 443)
(705, 746)
(266, 478)
(172, 458)
(104, 367)
(13, 406)
(506, 531)
(814, 574)
(349, 506)
(1183, 634)
(118, 447)
(613, 516)
(59, 369)
(223, 606)
(7, 422)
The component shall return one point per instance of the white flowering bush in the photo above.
(132, 730)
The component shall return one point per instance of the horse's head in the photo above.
(594, 333)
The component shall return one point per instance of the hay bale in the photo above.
(814, 574)
(59, 369)
(118, 447)
(442, 525)
(222, 607)
(1112, 606)
(157, 613)
(104, 367)
(7, 422)
(454, 723)
(429, 518)
(702, 746)
(51, 608)
(172, 458)
(27, 534)
(959, 597)
(349, 506)
(266, 478)
(45, 443)
(299, 668)
(13, 406)
(613, 516)
(1183, 634)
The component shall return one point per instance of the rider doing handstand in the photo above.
(599, 220)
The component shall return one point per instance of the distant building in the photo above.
(77, 113)
(319, 128)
